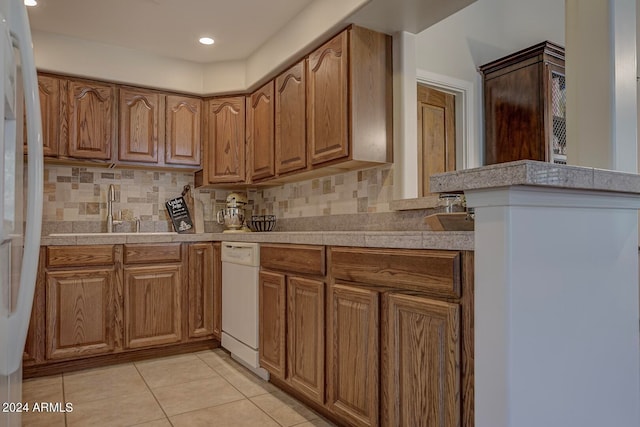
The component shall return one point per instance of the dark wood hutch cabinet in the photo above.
(524, 106)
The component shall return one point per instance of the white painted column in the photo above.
(405, 113)
(556, 307)
(601, 84)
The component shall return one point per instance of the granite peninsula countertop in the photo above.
(445, 240)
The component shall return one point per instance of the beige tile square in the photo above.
(116, 411)
(174, 370)
(214, 358)
(236, 414)
(284, 409)
(43, 419)
(318, 422)
(185, 397)
(102, 383)
(241, 378)
(44, 389)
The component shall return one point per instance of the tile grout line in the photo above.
(64, 399)
(152, 393)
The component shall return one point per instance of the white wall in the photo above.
(482, 32)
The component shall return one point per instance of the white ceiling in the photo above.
(169, 28)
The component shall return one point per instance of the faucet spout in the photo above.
(111, 197)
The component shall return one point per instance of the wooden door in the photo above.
(305, 336)
(225, 144)
(327, 101)
(140, 118)
(152, 306)
(272, 320)
(183, 139)
(217, 292)
(80, 312)
(353, 353)
(201, 291)
(49, 91)
(436, 134)
(260, 134)
(92, 119)
(423, 369)
(291, 120)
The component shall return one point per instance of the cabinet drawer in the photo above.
(145, 254)
(434, 272)
(304, 259)
(79, 256)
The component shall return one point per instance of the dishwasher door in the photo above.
(240, 267)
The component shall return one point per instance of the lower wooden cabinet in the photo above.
(353, 351)
(422, 360)
(80, 318)
(305, 336)
(152, 306)
(107, 299)
(272, 315)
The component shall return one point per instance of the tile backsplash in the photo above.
(76, 200)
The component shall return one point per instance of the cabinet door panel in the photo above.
(327, 131)
(225, 145)
(272, 317)
(201, 298)
(183, 137)
(260, 134)
(423, 384)
(91, 120)
(353, 352)
(49, 91)
(79, 313)
(305, 336)
(139, 122)
(291, 121)
(152, 305)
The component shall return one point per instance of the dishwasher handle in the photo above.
(241, 253)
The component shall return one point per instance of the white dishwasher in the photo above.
(240, 269)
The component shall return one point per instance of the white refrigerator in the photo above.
(20, 200)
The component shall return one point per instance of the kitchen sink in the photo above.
(151, 233)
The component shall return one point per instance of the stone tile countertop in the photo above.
(534, 173)
(444, 240)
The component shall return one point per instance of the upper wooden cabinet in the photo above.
(260, 134)
(524, 106)
(49, 91)
(183, 140)
(225, 141)
(349, 96)
(291, 120)
(141, 116)
(92, 119)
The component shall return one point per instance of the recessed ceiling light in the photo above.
(30, 3)
(206, 40)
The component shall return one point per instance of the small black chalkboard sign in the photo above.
(179, 214)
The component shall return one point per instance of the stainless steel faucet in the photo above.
(111, 197)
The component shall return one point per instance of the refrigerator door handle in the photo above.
(18, 321)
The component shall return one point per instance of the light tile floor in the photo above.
(200, 389)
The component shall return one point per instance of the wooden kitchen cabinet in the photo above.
(49, 90)
(81, 301)
(224, 145)
(291, 120)
(424, 365)
(152, 277)
(141, 125)
(349, 114)
(353, 353)
(92, 124)
(305, 336)
(260, 133)
(183, 137)
(525, 106)
(201, 289)
(273, 319)
(292, 318)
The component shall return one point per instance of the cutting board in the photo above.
(457, 221)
